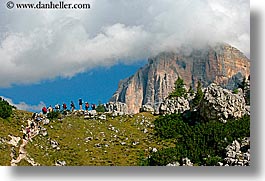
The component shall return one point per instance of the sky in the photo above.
(50, 56)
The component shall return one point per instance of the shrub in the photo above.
(5, 109)
(100, 108)
(164, 157)
(203, 143)
(142, 160)
(53, 115)
(213, 160)
(235, 91)
(170, 126)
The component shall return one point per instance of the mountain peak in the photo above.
(222, 64)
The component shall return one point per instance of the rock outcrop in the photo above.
(217, 104)
(221, 104)
(118, 108)
(174, 105)
(238, 154)
(148, 108)
(185, 162)
(222, 64)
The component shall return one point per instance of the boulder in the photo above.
(174, 105)
(46, 121)
(119, 107)
(187, 162)
(43, 131)
(54, 144)
(92, 113)
(174, 164)
(102, 117)
(14, 140)
(88, 139)
(238, 154)
(117, 113)
(221, 104)
(147, 108)
(60, 163)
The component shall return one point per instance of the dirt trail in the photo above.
(22, 148)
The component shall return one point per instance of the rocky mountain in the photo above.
(150, 85)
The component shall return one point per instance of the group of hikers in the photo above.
(57, 107)
(33, 125)
(37, 118)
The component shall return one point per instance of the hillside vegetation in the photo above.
(142, 139)
(121, 140)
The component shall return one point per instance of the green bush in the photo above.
(100, 108)
(53, 115)
(203, 143)
(213, 160)
(142, 160)
(164, 157)
(170, 126)
(5, 109)
(235, 91)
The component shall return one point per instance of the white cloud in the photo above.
(38, 45)
(24, 106)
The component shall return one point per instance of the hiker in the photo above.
(80, 102)
(34, 115)
(93, 106)
(50, 109)
(38, 120)
(32, 125)
(72, 106)
(57, 107)
(86, 106)
(44, 110)
(24, 137)
(64, 106)
(28, 132)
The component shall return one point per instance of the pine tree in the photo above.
(5, 109)
(179, 90)
(191, 91)
(199, 95)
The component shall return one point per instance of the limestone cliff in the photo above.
(222, 64)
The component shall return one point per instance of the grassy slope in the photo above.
(75, 150)
(11, 126)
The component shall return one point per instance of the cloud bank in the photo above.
(24, 106)
(37, 45)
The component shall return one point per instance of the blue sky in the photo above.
(50, 56)
(96, 85)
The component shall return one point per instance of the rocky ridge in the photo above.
(217, 104)
(221, 104)
(222, 64)
(238, 153)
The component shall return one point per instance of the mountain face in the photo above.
(151, 84)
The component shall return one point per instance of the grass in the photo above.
(117, 141)
(11, 126)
